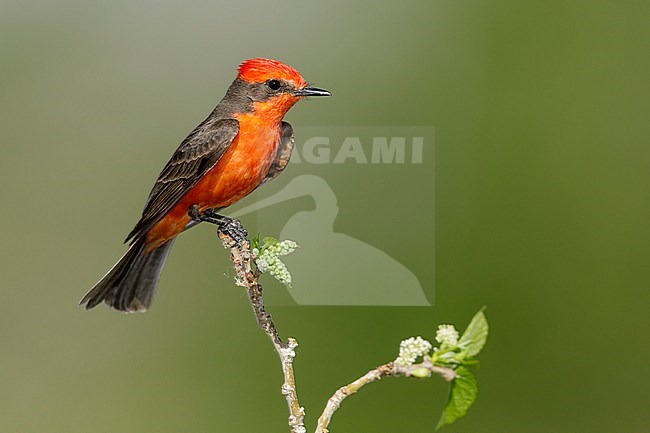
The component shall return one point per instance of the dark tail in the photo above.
(130, 285)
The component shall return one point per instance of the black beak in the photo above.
(312, 91)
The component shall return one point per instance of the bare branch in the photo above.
(390, 369)
(248, 277)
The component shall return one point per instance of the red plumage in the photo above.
(259, 70)
(242, 144)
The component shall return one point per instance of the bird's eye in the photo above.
(274, 84)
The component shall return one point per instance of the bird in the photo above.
(241, 145)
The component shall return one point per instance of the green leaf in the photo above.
(475, 335)
(462, 393)
(255, 242)
(269, 241)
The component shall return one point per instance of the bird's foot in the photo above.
(233, 228)
(225, 225)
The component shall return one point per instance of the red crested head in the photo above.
(260, 70)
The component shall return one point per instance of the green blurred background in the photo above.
(542, 206)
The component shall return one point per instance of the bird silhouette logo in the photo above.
(335, 268)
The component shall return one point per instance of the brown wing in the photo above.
(197, 154)
(287, 140)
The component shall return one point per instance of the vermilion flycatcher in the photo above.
(241, 145)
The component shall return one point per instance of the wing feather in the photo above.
(197, 154)
(287, 141)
